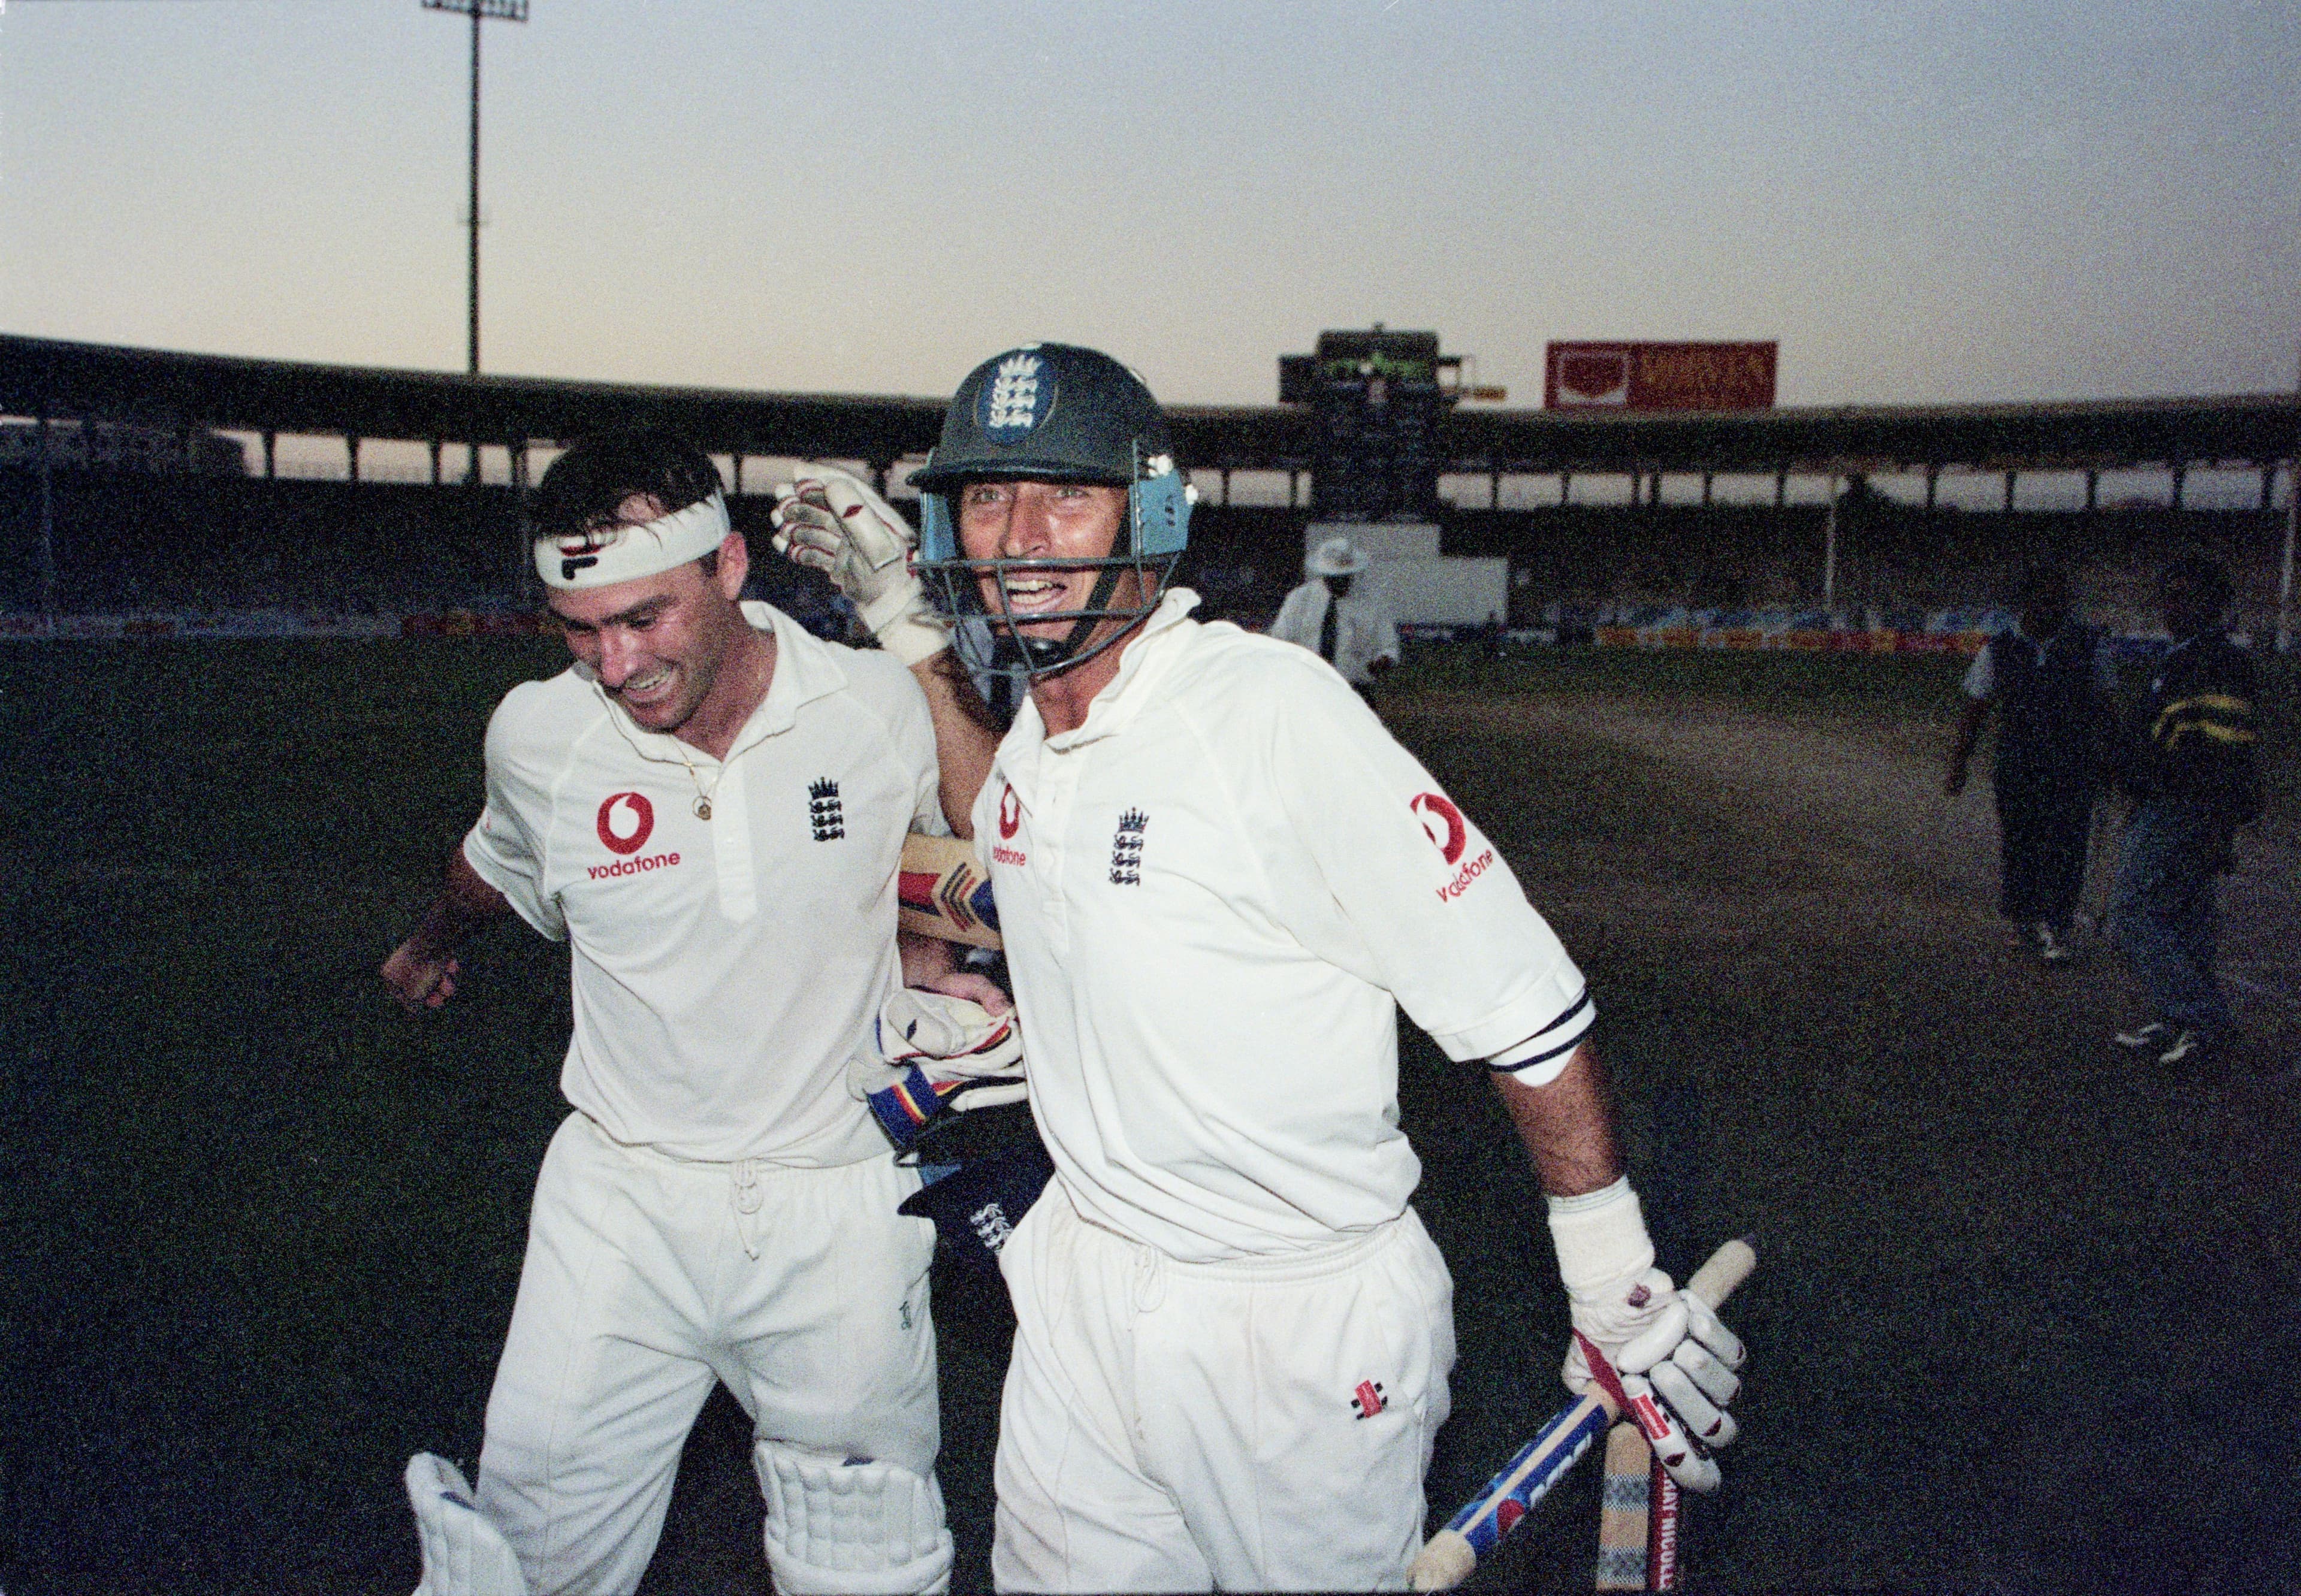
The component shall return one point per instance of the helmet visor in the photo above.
(1016, 641)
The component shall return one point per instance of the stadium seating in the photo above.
(128, 543)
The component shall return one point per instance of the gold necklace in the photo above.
(703, 795)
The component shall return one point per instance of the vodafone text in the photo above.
(1010, 856)
(1468, 872)
(600, 873)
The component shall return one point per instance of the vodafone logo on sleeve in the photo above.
(1010, 821)
(1442, 823)
(1450, 834)
(627, 820)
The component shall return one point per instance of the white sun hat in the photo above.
(1337, 556)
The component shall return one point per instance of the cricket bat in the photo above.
(1663, 1528)
(1448, 1558)
(941, 892)
(1625, 1510)
(1640, 1514)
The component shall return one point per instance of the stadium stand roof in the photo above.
(228, 392)
(51, 377)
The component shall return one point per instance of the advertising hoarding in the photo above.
(1645, 376)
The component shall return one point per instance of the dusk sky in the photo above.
(1923, 203)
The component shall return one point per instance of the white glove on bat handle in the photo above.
(934, 1054)
(831, 520)
(1677, 1359)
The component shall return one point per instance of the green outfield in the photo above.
(2025, 1319)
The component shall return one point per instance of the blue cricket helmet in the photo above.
(1055, 412)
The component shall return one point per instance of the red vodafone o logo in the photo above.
(1442, 823)
(626, 821)
(1010, 813)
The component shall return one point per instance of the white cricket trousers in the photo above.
(1261, 1424)
(647, 1277)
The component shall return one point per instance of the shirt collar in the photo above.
(804, 673)
(1145, 659)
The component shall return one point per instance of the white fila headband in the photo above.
(602, 555)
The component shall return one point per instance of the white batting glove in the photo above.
(1674, 1361)
(832, 522)
(936, 1055)
(463, 1554)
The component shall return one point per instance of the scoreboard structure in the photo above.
(1379, 399)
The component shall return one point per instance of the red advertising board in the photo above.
(1633, 376)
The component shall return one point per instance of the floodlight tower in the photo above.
(504, 11)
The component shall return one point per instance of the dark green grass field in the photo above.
(2026, 1318)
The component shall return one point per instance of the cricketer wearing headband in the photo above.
(1218, 878)
(708, 807)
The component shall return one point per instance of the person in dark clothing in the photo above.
(2050, 680)
(2189, 760)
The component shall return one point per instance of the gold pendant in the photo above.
(703, 808)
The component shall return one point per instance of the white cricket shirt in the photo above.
(1364, 631)
(724, 969)
(1215, 894)
(1980, 679)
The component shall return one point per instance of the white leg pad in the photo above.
(464, 1555)
(850, 1529)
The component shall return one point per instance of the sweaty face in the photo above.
(1033, 521)
(656, 642)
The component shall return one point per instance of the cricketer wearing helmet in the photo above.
(708, 807)
(1218, 878)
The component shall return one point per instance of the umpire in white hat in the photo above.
(1355, 634)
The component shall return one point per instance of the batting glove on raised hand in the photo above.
(832, 522)
(936, 1054)
(1674, 1360)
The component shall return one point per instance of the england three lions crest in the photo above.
(824, 818)
(1016, 399)
(1126, 850)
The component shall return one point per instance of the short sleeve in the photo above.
(507, 847)
(1446, 927)
(1981, 675)
(1385, 633)
(1291, 626)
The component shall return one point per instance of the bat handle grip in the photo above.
(1722, 1272)
(1448, 1558)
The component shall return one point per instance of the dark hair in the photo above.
(2045, 583)
(2200, 573)
(586, 486)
